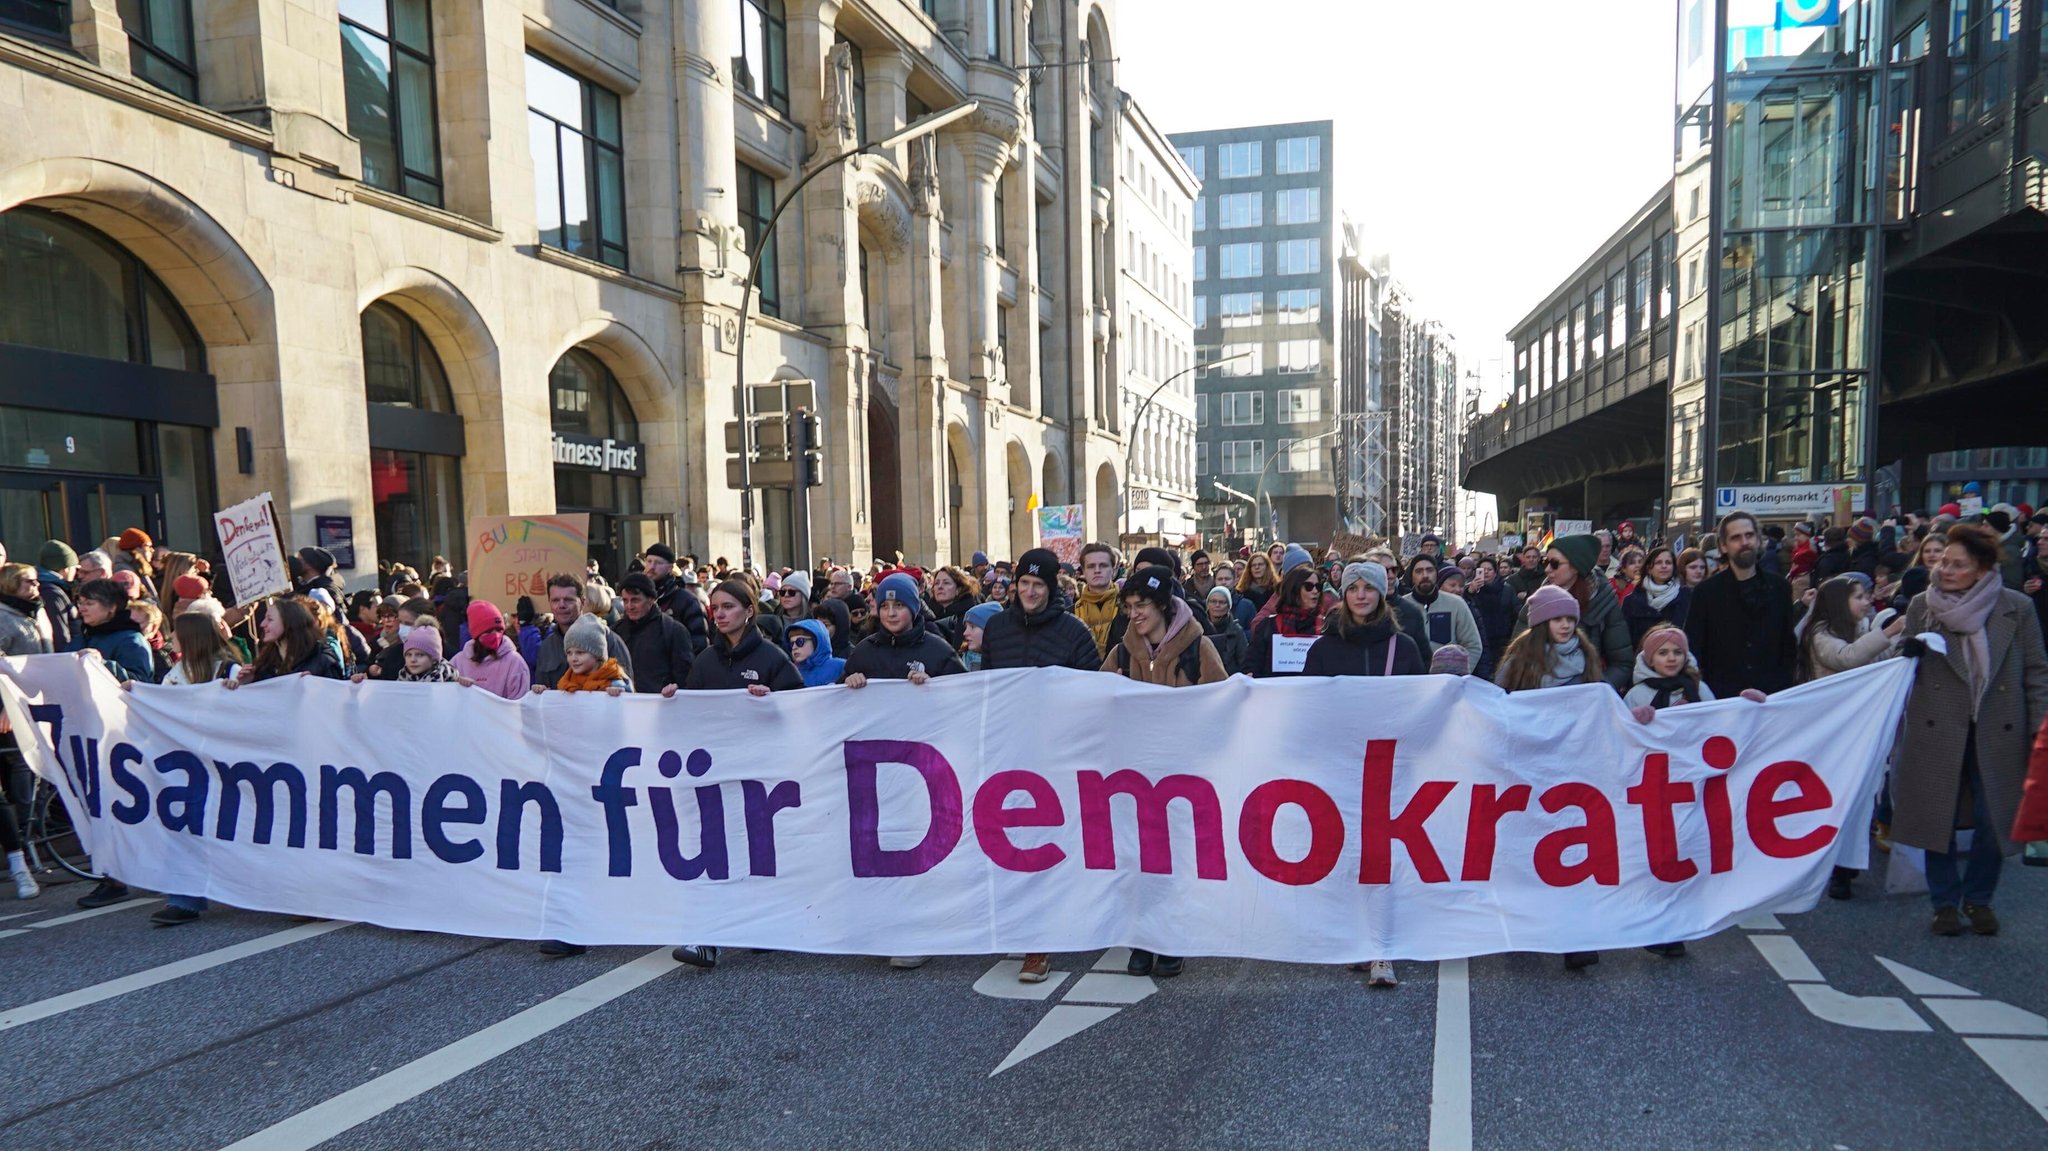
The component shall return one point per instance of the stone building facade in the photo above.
(413, 261)
(1155, 306)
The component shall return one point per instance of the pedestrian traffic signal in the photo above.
(809, 448)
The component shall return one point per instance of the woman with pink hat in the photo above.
(491, 661)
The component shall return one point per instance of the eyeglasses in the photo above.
(1552, 565)
(788, 591)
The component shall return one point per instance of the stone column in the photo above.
(98, 35)
(922, 396)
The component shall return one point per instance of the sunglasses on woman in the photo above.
(1552, 565)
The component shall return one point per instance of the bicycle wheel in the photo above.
(50, 838)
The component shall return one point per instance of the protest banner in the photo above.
(251, 550)
(512, 556)
(1420, 817)
(1063, 528)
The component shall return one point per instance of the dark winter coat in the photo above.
(1494, 606)
(841, 626)
(67, 633)
(320, 663)
(676, 601)
(950, 622)
(120, 643)
(1742, 635)
(1927, 765)
(1231, 644)
(1349, 650)
(661, 649)
(1863, 558)
(1642, 617)
(1049, 637)
(1604, 624)
(886, 656)
(721, 667)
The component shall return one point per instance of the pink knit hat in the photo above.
(424, 637)
(483, 616)
(1662, 634)
(1549, 602)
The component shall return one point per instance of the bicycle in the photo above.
(48, 836)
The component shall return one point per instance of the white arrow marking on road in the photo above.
(1988, 1017)
(1868, 1012)
(1105, 990)
(1921, 983)
(1788, 959)
(77, 916)
(2022, 1063)
(113, 988)
(318, 1124)
(1064, 1021)
(1450, 1085)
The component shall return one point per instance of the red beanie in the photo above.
(190, 587)
(483, 616)
(1955, 510)
(134, 538)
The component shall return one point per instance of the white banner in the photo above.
(1318, 820)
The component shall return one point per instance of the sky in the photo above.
(1489, 146)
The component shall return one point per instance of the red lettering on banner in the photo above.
(1719, 754)
(1765, 809)
(993, 821)
(1155, 838)
(1325, 831)
(1602, 863)
(1489, 804)
(1657, 795)
(1379, 827)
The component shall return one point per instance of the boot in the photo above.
(1140, 964)
(1168, 966)
(109, 892)
(1575, 960)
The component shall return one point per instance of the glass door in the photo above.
(32, 509)
(103, 508)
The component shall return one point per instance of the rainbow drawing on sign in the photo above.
(513, 556)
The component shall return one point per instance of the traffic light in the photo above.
(809, 448)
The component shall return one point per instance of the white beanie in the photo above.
(587, 635)
(799, 582)
(1366, 570)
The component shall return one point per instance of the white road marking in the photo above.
(77, 916)
(1064, 1021)
(2022, 1063)
(21, 915)
(1117, 988)
(1000, 982)
(1868, 1012)
(101, 992)
(1761, 922)
(1787, 958)
(1450, 1086)
(1115, 959)
(324, 1121)
(1988, 1017)
(1921, 983)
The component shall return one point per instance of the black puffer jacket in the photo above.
(1231, 644)
(1049, 637)
(676, 601)
(662, 650)
(1494, 607)
(721, 667)
(841, 623)
(886, 656)
(1345, 650)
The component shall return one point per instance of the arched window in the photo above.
(598, 455)
(416, 442)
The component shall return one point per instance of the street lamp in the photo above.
(742, 403)
(1259, 492)
(1138, 420)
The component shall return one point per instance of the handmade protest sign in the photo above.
(251, 550)
(1419, 817)
(512, 556)
(1063, 528)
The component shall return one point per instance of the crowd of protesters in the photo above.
(1747, 610)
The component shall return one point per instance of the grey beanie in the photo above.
(1368, 571)
(587, 635)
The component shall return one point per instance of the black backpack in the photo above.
(1190, 661)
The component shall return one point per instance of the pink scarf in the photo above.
(1963, 616)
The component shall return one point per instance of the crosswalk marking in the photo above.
(113, 988)
(77, 916)
(324, 1121)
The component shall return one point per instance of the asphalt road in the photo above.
(259, 1032)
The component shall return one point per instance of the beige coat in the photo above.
(1928, 799)
(1832, 654)
(1141, 663)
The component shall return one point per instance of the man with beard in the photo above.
(1446, 617)
(1199, 581)
(674, 599)
(1740, 626)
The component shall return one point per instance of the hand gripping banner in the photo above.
(1318, 820)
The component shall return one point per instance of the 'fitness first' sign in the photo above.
(607, 455)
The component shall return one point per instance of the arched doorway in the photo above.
(885, 484)
(599, 458)
(1023, 517)
(1052, 483)
(416, 443)
(1106, 505)
(77, 308)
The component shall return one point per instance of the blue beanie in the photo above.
(979, 559)
(981, 613)
(902, 589)
(1294, 557)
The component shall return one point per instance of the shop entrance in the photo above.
(80, 510)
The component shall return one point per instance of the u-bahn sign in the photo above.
(1840, 500)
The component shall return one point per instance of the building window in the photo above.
(1300, 405)
(1201, 459)
(1300, 154)
(1201, 214)
(1298, 206)
(160, 44)
(1002, 216)
(757, 207)
(1201, 264)
(860, 89)
(1240, 261)
(1241, 360)
(45, 18)
(1239, 210)
(1298, 306)
(65, 288)
(1596, 325)
(1617, 311)
(1243, 409)
(1299, 356)
(1241, 309)
(1202, 411)
(1300, 456)
(387, 62)
(1237, 161)
(1297, 257)
(1193, 157)
(1667, 270)
(579, 168)
(1201, 312)
(1639, 291)
(415, 452)
(1244, 457)
(760, 57)
(997, 15)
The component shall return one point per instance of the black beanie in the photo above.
(1157, 557)
(1155, 583)
(1042, 563)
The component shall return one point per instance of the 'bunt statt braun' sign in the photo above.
(596, 455)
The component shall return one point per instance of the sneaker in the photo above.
(558, 948)
(702, 955)
(168, 916)
(1947, 921)
(2036, 854)
(25, 886)
(1140, 964)
(909, 962)
(1667, 950)
(1380, 973)
(108, 893)
(1168, 966)
(1575, 960)
(1838, 884)
(1982, 920)
(1037, 966)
